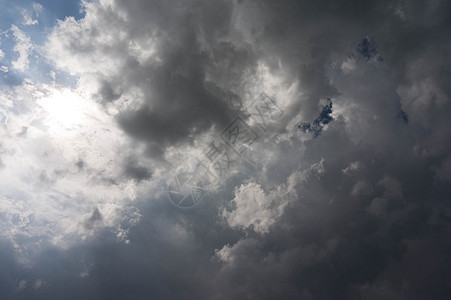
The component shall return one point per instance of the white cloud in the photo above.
(155, 62)
(61, 157)
(23, 47)
(28, 19)
(253, 208)
(31, 16)
(100, 34)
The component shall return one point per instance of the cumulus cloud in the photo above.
(42, 178)
(252, 208)
(160, 71)
(346, 196)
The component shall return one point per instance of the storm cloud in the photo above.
(345, 196)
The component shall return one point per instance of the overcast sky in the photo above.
(225, 149)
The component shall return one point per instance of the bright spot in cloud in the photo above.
(65, 110)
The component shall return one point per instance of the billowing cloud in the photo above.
(336, 183)
(252, 208)
(54, 170)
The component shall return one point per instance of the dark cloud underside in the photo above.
(350, 200)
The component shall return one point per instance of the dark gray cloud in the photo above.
(178, 99)
(94, 219)
(107, 93)
(364, 206)
(136, 171)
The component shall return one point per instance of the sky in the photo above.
(225, 149)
